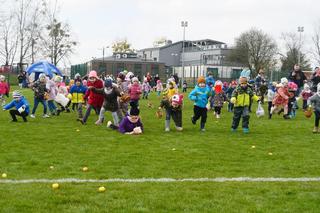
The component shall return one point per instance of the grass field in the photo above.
(29, 149)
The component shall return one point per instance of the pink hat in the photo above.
(93, 73)
(158, 81)
(177, 99)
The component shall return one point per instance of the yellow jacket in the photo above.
(241, 97)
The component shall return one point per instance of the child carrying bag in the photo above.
(260, 111)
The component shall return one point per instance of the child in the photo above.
(134, 92)
(123, 87)
(146, 88)
(95, 100)
(4, 90)
(62, 91)
(270, 96)
(110, 103)
(21, 106)
(200, 95)
(159, 88)
(241, 97)
(131, 124)
(292, 103)
(229, 92)
(78, 92)
(218, 98)
(306, 94)
(39, 88)
(173, 109)
(52, 93)
(315, 102)
(170, 90)
(281, 98)
(184, 86)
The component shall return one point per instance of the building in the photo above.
(199, 56)
(121, 61)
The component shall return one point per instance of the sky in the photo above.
(98, 23)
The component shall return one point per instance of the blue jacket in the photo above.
(200, 96)
(18, 104)
(210, 81)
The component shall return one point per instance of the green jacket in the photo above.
(241, 97)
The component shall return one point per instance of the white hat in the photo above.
(16, 94)
(284, 81)
(2, 77)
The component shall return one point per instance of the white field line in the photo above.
(161, 180)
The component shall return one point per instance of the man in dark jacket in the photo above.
(298, 77)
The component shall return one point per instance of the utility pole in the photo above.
(300, 30)
(184, 24)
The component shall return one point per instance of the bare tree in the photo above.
(8, 41)
(254, 49)
(122, 46)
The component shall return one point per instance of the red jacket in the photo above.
(95, 99)
(134, 91)
(4, 88)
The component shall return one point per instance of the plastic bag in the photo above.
(260, 111)
(61, 99)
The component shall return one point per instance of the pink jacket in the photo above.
(4, 88)
(134, 91)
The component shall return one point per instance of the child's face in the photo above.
(202, 85)
(92, 79)
(133, 118)
(171, 86)
(16, 99)
(136, 82)
(78, 83)
(244, 85)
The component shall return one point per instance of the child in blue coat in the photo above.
(200, 95)
(21, 106)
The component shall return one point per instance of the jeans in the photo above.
(36, 103)
(317, 118)
(89, 108)
(52, 107)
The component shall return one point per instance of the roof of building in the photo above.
(114, 59)
(207, 41)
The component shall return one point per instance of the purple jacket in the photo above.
(126, 126)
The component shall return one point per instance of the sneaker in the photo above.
(315, 130)
(46, 116)
(99, 122)
(32, 116)
(167, 129)
(179, 128)
(286, 117)
(217, 116)
(203, 130)
(233, 130)
(245, 130)
(109, 123)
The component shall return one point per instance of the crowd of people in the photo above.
(121, 98)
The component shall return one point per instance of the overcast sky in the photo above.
(97, 23)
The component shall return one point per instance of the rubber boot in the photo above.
(167, 126)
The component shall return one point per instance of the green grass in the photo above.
(29, 149)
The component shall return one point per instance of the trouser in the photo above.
(52, 107)
(176, 116)
(145, 95)
(15, 112)
(158, 93)
(305, 105)
(116, 116)
(200, 112)
(36, 103)
(123, 108)
(2, 100)
(317, 118)
(184, 89)
(87, 114)
(78, 107)
(217, 110)
(230, 106)
(269, 107)
(239, 112)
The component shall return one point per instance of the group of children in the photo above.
(102, 96)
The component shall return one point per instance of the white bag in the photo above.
(61, 99)
(260, 111)
(21, 109)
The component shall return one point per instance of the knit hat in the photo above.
(284, 81)
(58, 79)
(2, 77)
(243, 80)
(134, 111)
(218, 86)
(135, 79)
(306, 86)
(158, 81)
(201, 79)
(177, 99)
(77, 76)
(108, 83)
(16, 94)
(93, 74)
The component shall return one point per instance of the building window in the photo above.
(155, 59)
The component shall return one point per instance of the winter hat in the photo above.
(84, 82)
(2, 77)
(77, 80)
(201, 79)
(135, 79)
(108, 83)
(177, 99)
(42, 76)
(121, 76)
(292, 86)
(58, 79)
(76, 76)
(16, 94)
(284, 81)
(93, 74)
(218, 86)
(158, 81)
(243, 80)
(134, 111)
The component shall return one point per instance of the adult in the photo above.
(260, 85)
(315, 79)
(95, 99)
(298, 77)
